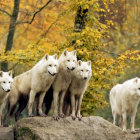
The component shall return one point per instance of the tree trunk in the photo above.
(11, 33)
(80, 20)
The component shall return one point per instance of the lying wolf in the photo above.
(5, 86)
(35, 81)
(124, 99)
(78, 86)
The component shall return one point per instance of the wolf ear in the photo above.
(74, 52)
(10, 73)
(89, 63)
(65, 52)
(1, 73)
(79, 62)
(55, 56)
(136, 80)
(46, 56)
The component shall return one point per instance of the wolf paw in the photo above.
(133, 132)
(73, 117)
(124, 131)
(62, 115)
(79, 117)
(56, 117)
(5, 125)
(42, 115)
(31, 115)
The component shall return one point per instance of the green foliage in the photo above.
(25, 132)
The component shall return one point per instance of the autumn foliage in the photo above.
(53, 30)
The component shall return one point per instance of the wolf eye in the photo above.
(4, 82)
(73, 60)
(68, 60)
(86, 70)
(55, 65)
(50, 65)
(9, 82)
(82, 70)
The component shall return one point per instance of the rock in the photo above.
(90, 128)
(6, 133)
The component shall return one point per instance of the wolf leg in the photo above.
(37, 105)
(61, 114)
(124, 122)
(11, 106)
(1, 111)
(31, 101)
(114, 117)
(120, 121)
(22, 104)
(55, 99)
(73, 106)
(41, 98)
(133, 121)
(79, 116)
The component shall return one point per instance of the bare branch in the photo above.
(33, 17)
(1, 10)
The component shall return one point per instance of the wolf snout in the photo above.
(8, 90)
(53, 74)
(85, 78)
(72, 68)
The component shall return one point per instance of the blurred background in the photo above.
(107, 32)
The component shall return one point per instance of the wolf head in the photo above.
(83, 70)
(6, 80)
(68, 60)
(136, 86)
(52, 64)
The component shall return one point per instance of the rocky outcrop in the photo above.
(6, 133)
(90, 128)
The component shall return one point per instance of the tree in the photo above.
(76, 25)
(12, 26)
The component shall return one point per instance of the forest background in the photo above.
(107, 32)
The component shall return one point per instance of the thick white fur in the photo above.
(36, 80)
(78, 86)
(67, 63)
(5, 86)
(124, 99)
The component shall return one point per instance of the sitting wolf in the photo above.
(124, 99)
(5, 86)
(78, 86)
(35, 81)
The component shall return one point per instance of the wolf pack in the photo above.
(59, 85)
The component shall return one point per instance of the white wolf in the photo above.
(78, 86)
(67, 62)
(5, 86)
(37, 80)
(124, 99)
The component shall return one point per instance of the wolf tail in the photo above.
(48, 100)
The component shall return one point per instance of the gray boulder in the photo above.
(90, 128)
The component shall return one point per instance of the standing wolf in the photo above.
(78, 86)
(124, 99)
(67, 63)
(35, 81)
(5, 86)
